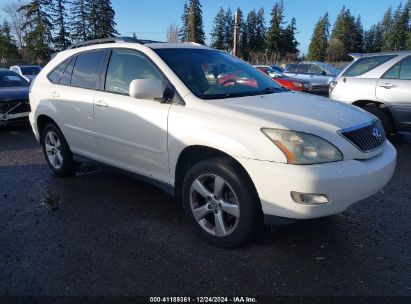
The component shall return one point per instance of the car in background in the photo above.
(380, 83)
(29, 72)
(319, 74)
(285, 81)
(277, 68)
(14, 98)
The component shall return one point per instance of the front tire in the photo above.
(221, 203)
(57, 151)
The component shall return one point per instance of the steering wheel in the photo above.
(225, 82)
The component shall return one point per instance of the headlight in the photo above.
(303, 148)
(332, 86)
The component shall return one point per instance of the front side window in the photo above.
(302, 68)
(366, 64)
(212, 74)
(85, 72)
(315, 69)
(124, 67)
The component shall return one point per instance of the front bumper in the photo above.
(13, 112)
(344, 182)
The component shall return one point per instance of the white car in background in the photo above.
(28, 72)
(236, 151)
(379, 83)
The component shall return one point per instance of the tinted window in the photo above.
(11, 79)
(55, 75)
(85, 72)
(212, 74)
(393, 73)
(366, 64)
(315, 69)
(302, 68)
(66, 77)
(124, 67)
(291, 68)
(405, 72)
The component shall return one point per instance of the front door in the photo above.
(131, 133)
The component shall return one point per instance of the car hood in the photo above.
(298, 111)
(14, 94)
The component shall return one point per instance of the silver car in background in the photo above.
(319, 74)
(380, 83)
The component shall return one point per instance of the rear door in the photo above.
(72, 96)
(394, 88)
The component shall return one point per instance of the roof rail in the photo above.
(110, 40)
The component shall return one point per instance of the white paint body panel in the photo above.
(147, 137)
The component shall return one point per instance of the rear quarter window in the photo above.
(366, 64)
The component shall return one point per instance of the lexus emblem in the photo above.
(377, 133)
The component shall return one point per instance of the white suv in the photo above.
(205, 126)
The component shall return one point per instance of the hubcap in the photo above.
(214, 205)
(53, 150)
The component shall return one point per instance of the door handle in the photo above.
(387, 86)
(55, 94)
(101, 103)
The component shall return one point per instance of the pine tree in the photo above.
(317, 50)
(386, 30)
(184, 29)
(242, 36)
(195, 28)
(275, 37)
(8, 48)
(228, 30)
(39, 27)
(400, 28)
(218, 32)
(290, 42)
(59, 18)
(101, 19)
(345, 30)
(79, 23)
(357, 36)
(260, 32)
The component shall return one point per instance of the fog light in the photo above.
(309, 198)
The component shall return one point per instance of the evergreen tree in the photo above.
(217, 34)
(357, 36)
(345, 30)
(101, 19)
(386, 30)
(317, 50)
(290, 42)
(8, 48)
(275, 37)
(400, 29)
(373, 39)
(59, 18)
(80, 30)
(260, 31)
(243, 50)
(184, 29)
(250, 32)
(228, 30)
(39, 28)
(192, 29)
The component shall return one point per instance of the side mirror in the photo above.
(324, 73)
(147, 89)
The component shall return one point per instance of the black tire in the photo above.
(383, 117)
(68, 165)
(250, 213)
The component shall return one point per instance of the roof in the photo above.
(360, 55)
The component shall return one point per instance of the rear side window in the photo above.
(302, 68)
(401, 70)
(55, 75)
(291, 69)
(85, 72)
(366, 64)
(66, 77)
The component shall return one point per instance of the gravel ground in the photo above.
(101, 233)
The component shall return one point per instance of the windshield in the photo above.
(10, 79)
(212, 74)
(30, 70)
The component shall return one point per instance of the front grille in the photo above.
(366, 138)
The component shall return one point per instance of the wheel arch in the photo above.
(380, 105)
(42, 121)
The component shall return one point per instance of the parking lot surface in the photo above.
(102, 233)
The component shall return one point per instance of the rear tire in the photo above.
(221, 203)
(57, 151)
(383, 117)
